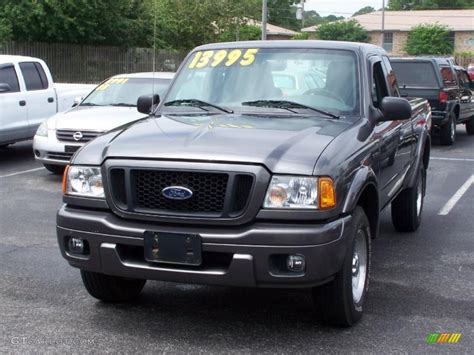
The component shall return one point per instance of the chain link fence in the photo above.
(74, 63)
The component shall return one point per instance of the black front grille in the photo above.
(214, 194)
(208, 189)
(68, 135)
(59, 156)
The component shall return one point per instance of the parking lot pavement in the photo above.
(421, 283)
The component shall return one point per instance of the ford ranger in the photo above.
(234, 180)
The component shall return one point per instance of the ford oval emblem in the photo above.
(177, 193)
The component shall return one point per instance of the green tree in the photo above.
(350, 31)
(283, 13)
(429, 39)
(244, 33)
(118, 22)
(364, 10)
(5, 31)
(429, 4)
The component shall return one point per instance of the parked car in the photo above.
(112, 104)
(233, 184)
(467, 97)
(28, 96)
(470, 71)
(436, 80)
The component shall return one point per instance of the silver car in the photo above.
(111, 104)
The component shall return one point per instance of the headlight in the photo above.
(83, 181)
(42, 130)
(300, 192)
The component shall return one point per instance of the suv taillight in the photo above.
(443, 96)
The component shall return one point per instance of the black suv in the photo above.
(445, 86)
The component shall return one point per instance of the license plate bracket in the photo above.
(71, 148)
(173, 248)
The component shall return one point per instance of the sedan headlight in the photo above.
(300, 192)
(42, 130)
(85, 181)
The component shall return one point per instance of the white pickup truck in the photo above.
(28, 96)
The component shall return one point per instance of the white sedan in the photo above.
(112, 104)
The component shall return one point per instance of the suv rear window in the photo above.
(415, 74)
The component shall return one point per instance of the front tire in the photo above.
(341, 301)
(470, 126)
(448, 131)
(111, 288)
(55, 169)
(407, 207)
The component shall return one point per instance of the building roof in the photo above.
(273, 30)
(456, 20)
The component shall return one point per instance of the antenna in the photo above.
(154, 56)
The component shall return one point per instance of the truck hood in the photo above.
(93, 118)
(284, 144)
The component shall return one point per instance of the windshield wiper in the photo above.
(196, 103)
(123, 104)
(288, 105)
(89, 104)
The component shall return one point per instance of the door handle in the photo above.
(22, 103)
(50, 99)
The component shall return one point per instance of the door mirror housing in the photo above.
(395, 109)
(4, 87)
(77, 101)
(145, 103)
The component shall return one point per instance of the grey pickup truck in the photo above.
(267, 164)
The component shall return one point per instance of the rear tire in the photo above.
(470, 126)
(111, 288)
(407, 208)
(55, 169)
(341, 301)
(448, 131)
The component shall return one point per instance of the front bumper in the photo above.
(49, 150)
(233, 256)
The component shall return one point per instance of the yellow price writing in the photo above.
(223, 56)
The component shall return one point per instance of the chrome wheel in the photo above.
(359, 266)
(453, 130)
(419, 196)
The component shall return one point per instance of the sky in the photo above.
(340, 7)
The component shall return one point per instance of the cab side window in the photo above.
(34, 75)
(8, 76)
(379, 85)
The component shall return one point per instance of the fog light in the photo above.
(76, 245)
(295, 263)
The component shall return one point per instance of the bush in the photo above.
(429, 39)
(245, 33)
(301, 35)
(350, 31)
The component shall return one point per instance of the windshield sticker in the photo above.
(223, 57)
(109, 82)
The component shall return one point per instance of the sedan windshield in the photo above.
(323, 79)
(125, 91)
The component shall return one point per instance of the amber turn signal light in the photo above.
(64, 184)
(327, 193)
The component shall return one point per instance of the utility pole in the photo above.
(383, 24)
(264, 20)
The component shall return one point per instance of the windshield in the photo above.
(231, 78)
(125, 91)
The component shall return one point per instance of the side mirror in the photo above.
(4, 87)
(77, 101)
(395, 109)
(145, 103)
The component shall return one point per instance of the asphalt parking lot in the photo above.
(421, 283)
